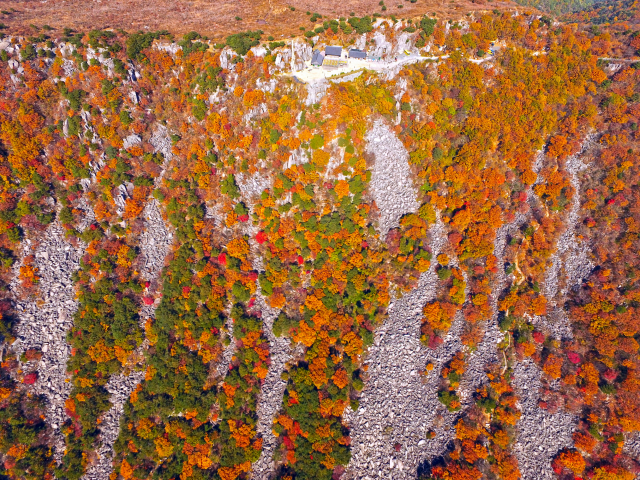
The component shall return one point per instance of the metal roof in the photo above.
(334, 51)
(355, 53)
(317, 58)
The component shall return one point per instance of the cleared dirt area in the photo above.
(214, 18)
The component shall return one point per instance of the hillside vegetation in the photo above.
(209, 268)
(558, 7)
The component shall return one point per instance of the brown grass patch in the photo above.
(215, 18)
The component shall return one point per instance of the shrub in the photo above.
(428, 25)
(125, 118)
(317, 142)
(361, 25)
(450, 400)
(137, 42)
(241, 43)
(228, 186)
(28, 53)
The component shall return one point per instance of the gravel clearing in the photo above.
(391, 186)
(540, 434)
(44, 323)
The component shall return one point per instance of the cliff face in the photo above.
(222, 261)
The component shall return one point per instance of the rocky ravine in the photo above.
(155, 242)
(270, 399)
(397, 406)
(570, 263)
(487, 350)
(540, 434)
(44, 322)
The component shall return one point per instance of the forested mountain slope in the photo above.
(217, 263)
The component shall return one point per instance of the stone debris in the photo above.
(97, 55)
(155, 243)
(299, 157)
(252, 186)
(227, 354)
(69, 67)
(540, 434)
(315, 91)
(44, 322)
(132, 140)
(255, 113)
(120, 387)
(88, 216)
(162, 142)
(267, 86)
(391, 186)
(572, 254)
(557, 322)
(632, 446)
(121, 193)
(397, 405)
(271, 392)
